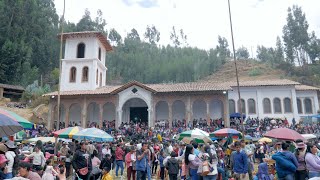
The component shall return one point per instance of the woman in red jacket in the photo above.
(130, 162)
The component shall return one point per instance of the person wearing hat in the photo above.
(10, 155)
(300, 154)
(64, 149)
(3, 169)
(3, 148)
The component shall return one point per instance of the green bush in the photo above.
(255, 72)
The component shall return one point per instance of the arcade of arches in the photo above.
(88, 111)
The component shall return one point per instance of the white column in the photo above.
(84, 113)
(316, 103)
(259, 104)
(119, 120)
(294, 105)
(226, 114)
(208, 110)
(302, 106)
(149, 117)
(50, 116)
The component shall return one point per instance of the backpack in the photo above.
(172, 166)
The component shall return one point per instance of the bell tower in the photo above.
(84, 63)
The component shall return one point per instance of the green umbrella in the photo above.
(22, 121)
(196, 135)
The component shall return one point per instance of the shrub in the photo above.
(255, 72)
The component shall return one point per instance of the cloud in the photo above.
(141, 3)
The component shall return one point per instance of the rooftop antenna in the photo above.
(236, 68)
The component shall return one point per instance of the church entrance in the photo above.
(135, 110)
(139, 114)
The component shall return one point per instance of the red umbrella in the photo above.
(284, 134)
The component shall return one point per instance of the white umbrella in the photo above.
(273, 121)
(309, 136)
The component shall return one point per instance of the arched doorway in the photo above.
(135, 110)
(75, 115)
(178, 110)
(216, 109)
(162, 113)
(199, 110)
(62, 116)
(93, 111)
(109, 112)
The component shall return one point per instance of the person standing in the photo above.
(313, 161)
(119, 159)
(81, 162)
(300, 154)
(11, 156)
(130, 163)
(142, 161)
(173, 166)
(240, 163)
(286, 163)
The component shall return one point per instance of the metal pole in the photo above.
(60, 58)
(235, 65)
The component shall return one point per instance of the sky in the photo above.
(255, 22)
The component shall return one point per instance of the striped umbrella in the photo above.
(226, 132)
(196, 135)
(67, 132)
(8, 126)
(22, 121)
(93, 134)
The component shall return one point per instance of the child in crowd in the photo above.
(105, 174)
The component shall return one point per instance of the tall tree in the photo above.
(242, 53)
(115, 37)
(134, 35)
(295, 36)
(174, 37)
(314, 48)
(223, 49)
(152, 34)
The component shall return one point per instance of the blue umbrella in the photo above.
(247, 137)
(237, 115)
(8, 126)
(93, 134)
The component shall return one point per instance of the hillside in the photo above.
(248, 70)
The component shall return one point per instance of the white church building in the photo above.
(85, 96)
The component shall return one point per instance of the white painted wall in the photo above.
(126, 95)
(271, 92)
(314, 99)
(90, 60)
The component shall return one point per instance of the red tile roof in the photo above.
(102, 38)
(302, 87)
(187, 87)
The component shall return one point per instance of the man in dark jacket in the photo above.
(82, 160)
(106, 162)
(173, 166)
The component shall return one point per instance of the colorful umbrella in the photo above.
(248, 137)
(203, 140)
(8, 126)
(196, 134)
(93, 134)
(284, 134)
(22, 121)
(46, 139)
(265, 139)
(67, 132)
(225, 132)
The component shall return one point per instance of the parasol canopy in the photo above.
(248, 137)
(15, 117)
(265, 139)
(8, 126)
(195, 134)
(93, 134)
(284, 134)
(67, 132)
(309, 136)
(225, 132)
(46, 139)
(187, 140)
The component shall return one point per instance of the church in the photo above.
(86, 98)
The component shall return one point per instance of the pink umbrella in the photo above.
(284, 134)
